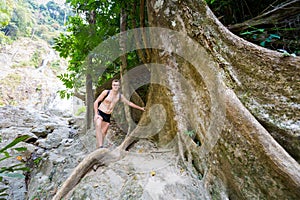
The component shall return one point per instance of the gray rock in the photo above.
(40, 132)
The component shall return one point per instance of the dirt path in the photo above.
(145, 172)
(142, 172)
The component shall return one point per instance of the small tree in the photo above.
(93, 22)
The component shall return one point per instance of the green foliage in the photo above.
(6, 7)
(278, 34)
(190, 133)
(69, 82)
(80, 110)
(65, 93)
(37, 160)
(11, 30)
(4, 39)
(11, 170)
(55, 66)
(57, 12)
(260, 35)
(254, 32)
(27, 17)
(269, 39)
(23, 19)
(13, 143)
(94, 22)
(11, 80)
(210, 2)
(36, 59)
(3, 193)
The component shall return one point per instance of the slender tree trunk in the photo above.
(89, 82)
(89, 100)
(123, 70)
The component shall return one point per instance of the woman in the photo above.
(108, 99)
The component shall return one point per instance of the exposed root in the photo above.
(133, 137)
(99, 157)
(93, 161)
(186, 147)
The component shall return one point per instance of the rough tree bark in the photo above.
(245, 158)
(89, 82)
(123, 69)
(89, 100)
(222, 89)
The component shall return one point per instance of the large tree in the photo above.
(235, 98)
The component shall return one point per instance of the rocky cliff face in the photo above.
(28, 76)
(30, 105)
(48, 135)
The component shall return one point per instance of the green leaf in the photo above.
(13, 168)
(20, 149)
(190, 133)
(274, 36)
(22, 169)
(12, 175)
(246, 33)
(38, 160)
(6, 154)
(14, 142)
(3, 190)
(16, 165)
(261, 30)
(4, 158)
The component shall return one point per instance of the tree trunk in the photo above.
(89, 101)
(221, 101)
(219, 88)
(123, 70)
(89, 81)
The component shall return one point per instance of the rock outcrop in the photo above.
(53, 141)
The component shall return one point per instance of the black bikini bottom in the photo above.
(105, 116)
